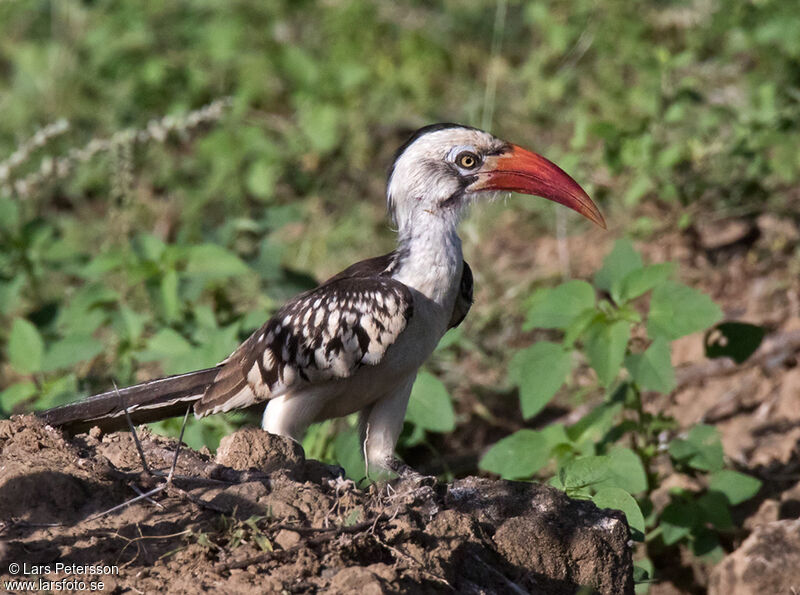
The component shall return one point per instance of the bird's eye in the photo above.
(467, 160)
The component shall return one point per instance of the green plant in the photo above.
(618, 453)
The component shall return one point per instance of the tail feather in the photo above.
(147, 402)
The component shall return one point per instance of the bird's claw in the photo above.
(408, 474)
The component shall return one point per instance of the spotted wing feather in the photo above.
(320, 335)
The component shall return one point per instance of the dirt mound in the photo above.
(263, 517)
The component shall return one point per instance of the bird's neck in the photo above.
(429, 257)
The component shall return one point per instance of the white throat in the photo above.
(430, 257)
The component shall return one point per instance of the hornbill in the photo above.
(356, 342)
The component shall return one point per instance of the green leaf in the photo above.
(640, 281)
(677, 310)
(619, 499)
(320, 123)
(347, 448)
(9, 213)
(130, 323)
(736, 340)
(736, 487)
(25, 347)
(169, 295)
(16, 393)
(517, 456)
(71, 350)
(677, 520)
(643, 572)
(166, 342)
(214, 260)
(595, 424)
(262, 177)
(715, 510)
(706, 546)
(652, 370)
(586, 472)
(430, 406)
(560, 306)
(605, 348)
(622, 260)
(701, 449)
(539, 371)
(627, 471)
(150, 247)
(579, 325)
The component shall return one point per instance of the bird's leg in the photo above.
(381, 424)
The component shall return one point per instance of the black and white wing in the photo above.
(326, 333)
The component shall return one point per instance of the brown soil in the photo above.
(263, 517)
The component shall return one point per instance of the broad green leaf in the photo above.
(627, 471)
(706, 546)
(622, 259)
(605, 347)
(11, 294)
(594, 425)
(736, 487)
(71, 350)
(736, 340)
(16, 393)
(320, 123)
(166, 342)
(517, 456)
(150, 247)
(430, 406)
(169, 295)
(561, 305)
(130, 324)
(9, 213)
(701, 449)
(450, 338)
(677, 310)
(643, 571)
(619, 499)
(214, 260)
(25, 347)
(348, 451)
(652, 370)
(715, 510)
(539, 371)
(586, 472)
(677, 520)
(640, 281)
(57, 391)
(262, 177)
(579, 325)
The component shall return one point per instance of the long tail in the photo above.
(150, 401)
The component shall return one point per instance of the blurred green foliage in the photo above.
(619, 453)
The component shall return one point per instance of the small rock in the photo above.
(356, 580)
(253, 448)
(767, 562)
(287, 539)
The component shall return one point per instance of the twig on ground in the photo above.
(157, 489)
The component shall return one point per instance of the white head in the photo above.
(443, 167)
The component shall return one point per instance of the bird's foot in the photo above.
(407, 474)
